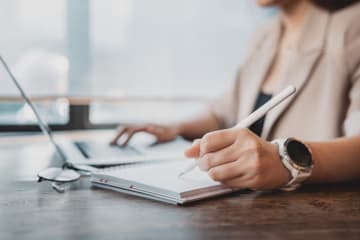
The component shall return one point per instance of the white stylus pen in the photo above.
(253, 117)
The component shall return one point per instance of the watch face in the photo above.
(299, 153)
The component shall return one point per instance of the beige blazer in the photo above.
(325, 68)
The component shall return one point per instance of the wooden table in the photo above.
(31, 210)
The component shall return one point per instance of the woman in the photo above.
(314, 45)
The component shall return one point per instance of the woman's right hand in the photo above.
(163, 133)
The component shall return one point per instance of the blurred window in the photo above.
(33, 42)
(168, 48)
(115, 48)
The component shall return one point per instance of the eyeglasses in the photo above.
(61, 176)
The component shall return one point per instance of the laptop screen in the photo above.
(42, 124)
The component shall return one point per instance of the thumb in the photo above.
(194, 150)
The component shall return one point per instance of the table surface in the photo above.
(31, 210)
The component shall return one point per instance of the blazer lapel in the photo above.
(301, 64)
(263, 60)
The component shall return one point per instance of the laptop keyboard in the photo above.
(93, 149)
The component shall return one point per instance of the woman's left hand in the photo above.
(240, 159)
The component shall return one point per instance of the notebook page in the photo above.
(163, 177)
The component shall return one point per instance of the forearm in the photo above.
(198, 126)
(336, 161)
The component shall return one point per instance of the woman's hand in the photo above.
(238, 158)
(163, 133)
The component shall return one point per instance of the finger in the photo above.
(217, 140)
(130, 133)
(223, 156)
(194, 150)
(228, 171)
(118, 135)
(157, 131)
(240, 183)
(153, 129)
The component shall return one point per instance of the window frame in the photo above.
(79, 110)
(79, 119)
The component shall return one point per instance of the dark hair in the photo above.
(334, 5)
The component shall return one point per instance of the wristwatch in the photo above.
(297, 158)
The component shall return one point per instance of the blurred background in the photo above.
(123, 60)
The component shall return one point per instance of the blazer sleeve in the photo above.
(352, 120)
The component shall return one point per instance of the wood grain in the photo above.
(30, 210)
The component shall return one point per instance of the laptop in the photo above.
(100, 153)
